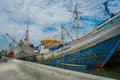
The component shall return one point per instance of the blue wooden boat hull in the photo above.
(94, 56)
(93, 49)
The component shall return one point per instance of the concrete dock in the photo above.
(22, 70)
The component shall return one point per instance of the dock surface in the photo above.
(22, 70)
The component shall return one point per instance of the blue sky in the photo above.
(46, 16)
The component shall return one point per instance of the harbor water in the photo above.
(111, 70)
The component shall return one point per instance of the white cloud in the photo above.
(45, 13)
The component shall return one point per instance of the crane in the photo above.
(13, 39)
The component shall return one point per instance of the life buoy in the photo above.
(11, 54)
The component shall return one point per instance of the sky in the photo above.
(45, 17)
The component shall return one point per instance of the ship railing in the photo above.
(100, 25)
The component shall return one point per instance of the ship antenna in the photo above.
(76, 12)
(107, 10)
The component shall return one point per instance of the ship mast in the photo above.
(76, 12)
(26, 39)
(27, 34)
(62, 35)
(67, 32)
